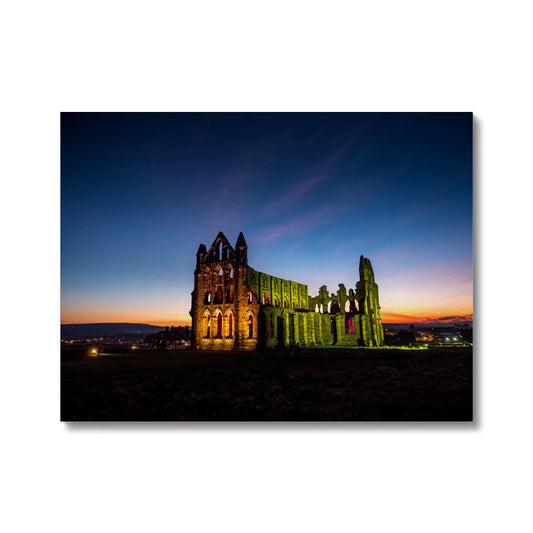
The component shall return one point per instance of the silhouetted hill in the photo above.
(73, 331)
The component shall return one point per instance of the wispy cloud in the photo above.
(301, 224)
(451, 318)
(318, 176)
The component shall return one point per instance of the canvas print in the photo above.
(281, 267)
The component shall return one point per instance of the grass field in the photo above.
(319, 385)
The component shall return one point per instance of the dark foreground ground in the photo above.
(321, 384)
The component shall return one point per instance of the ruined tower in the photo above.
(236, 307)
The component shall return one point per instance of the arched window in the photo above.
(317, 310)
(207, 325)
(219, 255)
(249, 297)
(219, 325)
(321, 308)
(266, 300)
(229, 296)
(251, 327)
(231, 273)
(220, 284)
(230, 326)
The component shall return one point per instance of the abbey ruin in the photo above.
(237, 307)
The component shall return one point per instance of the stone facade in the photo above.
(235, 307)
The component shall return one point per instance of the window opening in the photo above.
(251, 327)
(220, 283)
(219, 326)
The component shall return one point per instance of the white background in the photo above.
(275, 56)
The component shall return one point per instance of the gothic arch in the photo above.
(206, 324)
(218, 326)
(350, 306)
(229, 326)
(251, 324)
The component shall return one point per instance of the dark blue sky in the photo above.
(311, 192)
